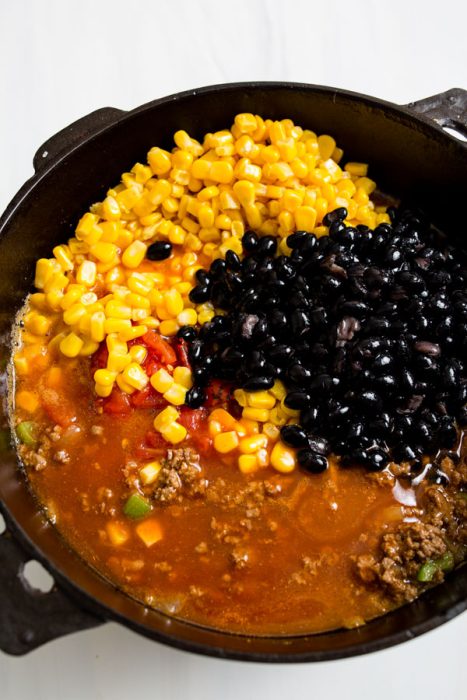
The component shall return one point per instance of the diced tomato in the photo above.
(181, 348)
(57, 408)
(142, 451)
(100, 357)
(203, 443)
(161, 347)
(147, 398)
(217, 393)
(118, 403)
(151, 365)
(193, 419)
(155, 440)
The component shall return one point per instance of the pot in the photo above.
(411, 156)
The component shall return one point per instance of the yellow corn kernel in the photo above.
(364, 183)
(71, 345)
(38, 324)
(262, 457)
(44, 270)
(62, 254)
(326, 146)
(246, 123)
(245, 192)
(56, 283)
(21, 365)
(259, 414)
(134, 255)
(124, 386)
(139, 283)
(249, 427)
(27, 400)
(97, 326)
(173, 302)
(135, 376)
(174, 433)
(187, 317)
(252, 443)
(277, 417)
(247, 464)
(260, 399)
(89, 348)
(114, 309)
(104, 252)
(117, 533)
(283, 458)
(278, 389)
(357, 169)
(305, 218)
(272, 431)
(241, 397)
(162, 381)
(221, 171)
(138, 353)
(87, 273)
(133, 332)
(105, 377)
(214, 428)
(183, 376)
(226, 442)
(117, 361)
(175, 394)
(159, 161)
(226, 420)
(116, 325)
(149, 473)
(169, 327)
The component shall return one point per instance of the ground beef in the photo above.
(181, 475)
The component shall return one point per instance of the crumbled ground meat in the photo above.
(442, 528)
(35, 459)
(181, 474)
(61, 456)
(97, 430)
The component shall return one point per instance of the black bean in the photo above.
(294, 436)
(258, 383)
(312, 462)
(200, 294)
(297, 400)
(160, 250)
(195, 397)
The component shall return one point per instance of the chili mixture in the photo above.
(240, 388)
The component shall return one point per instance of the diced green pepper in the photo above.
(136, 507)
(446, 562)
(26, 432)
(427, 571)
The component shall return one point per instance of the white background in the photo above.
(60, 59)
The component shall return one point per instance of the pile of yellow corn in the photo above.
(270, 176)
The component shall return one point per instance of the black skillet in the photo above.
(411, 156)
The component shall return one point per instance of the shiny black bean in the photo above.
(294, 436)
(312, 462)
(160, 250)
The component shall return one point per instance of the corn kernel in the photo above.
(161, 380)
(283, 458)
(259, 414)
(278, 390)
(252, 443)
(105, 377)
(71, 345)
(272, 431)
(226, 442)
(149, 473)
(247, 464)
(176, 394)
(138, 353)
(87, 273)
(183, 376)
(27, 400)
(174, 433)
(260, 399)
(187, 317)
(134, 255)
(241, 397)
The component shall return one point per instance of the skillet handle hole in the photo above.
(36, 577)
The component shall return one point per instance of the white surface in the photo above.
(60, 59)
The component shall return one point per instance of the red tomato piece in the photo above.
(118, 403)
(193, 420)
(58, 410)
(100, 357)
(155, 440)
(151, 365)
(203, 443)
(181, 348)
(217, 393)
(147, 398)
(161, 347)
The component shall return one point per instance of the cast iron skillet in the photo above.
(411, 156)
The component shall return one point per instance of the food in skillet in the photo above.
(240, 388)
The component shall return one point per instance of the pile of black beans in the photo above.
(366, 328)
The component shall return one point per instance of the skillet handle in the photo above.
(448, 109)
(74, 133)
(28, 617)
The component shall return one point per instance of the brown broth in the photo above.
(283, 566)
